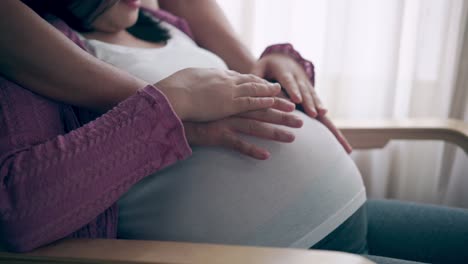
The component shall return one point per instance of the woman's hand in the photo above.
(336, 132)
(293, 79)
(225, 132)
(208, 94)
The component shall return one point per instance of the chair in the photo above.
(361, 134)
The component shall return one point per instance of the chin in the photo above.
(131, 21)
(128, 19)
(123, 21)
(118, 17)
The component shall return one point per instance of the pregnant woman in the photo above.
(306, 193)
(300, 194)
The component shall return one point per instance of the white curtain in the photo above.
(374, 60)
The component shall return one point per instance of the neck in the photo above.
(109, 37)
(123, 38)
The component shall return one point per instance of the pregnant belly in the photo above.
(295, 198)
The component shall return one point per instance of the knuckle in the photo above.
(308, 95)
(253, 77)
(284, 118)
(289, 77)
(249, 149)
(253, 87)
(225, 78)
(250, 102)
(263, 114)
(284, 78)
(277, 134)
(239, 145)
(281, 102)
(250, 126)
(229, 140)
(302, 85)
(223, 74)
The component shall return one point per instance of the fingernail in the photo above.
(269, 100)
(299, 97)
(297, 122)
(288, 137)
(313, 113)
(291, 106)
(265, 155)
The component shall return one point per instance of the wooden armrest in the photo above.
(138, 251)
(376, 134)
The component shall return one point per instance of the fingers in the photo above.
(321, 110)
(203, 134)
(246, 78)
(245, 104)
(283, 105)
(308, 101)
(289, 83)
(339, 136)
(311, 102)
(283, 95)
(233, 141)
(261, 130)
(191, 134)
(273, 116)
(257, 89)
(221, 134)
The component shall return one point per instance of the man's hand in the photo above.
(202, 95)
(225, 132)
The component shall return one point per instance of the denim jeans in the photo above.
(394, 232)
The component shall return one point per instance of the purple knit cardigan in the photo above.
(60, 177)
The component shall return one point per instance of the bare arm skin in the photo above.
(206, 20)
(36, 61)
(45, 61)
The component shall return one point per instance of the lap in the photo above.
(385, 260)
(421, 232)
(402, 230)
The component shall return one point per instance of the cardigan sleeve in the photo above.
(50, 189)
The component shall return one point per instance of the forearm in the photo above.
(39, 57)
(52, 188)
(212, 31)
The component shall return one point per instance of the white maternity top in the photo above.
(294, 199)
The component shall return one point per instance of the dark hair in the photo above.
(79, 15)
(149, 29)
